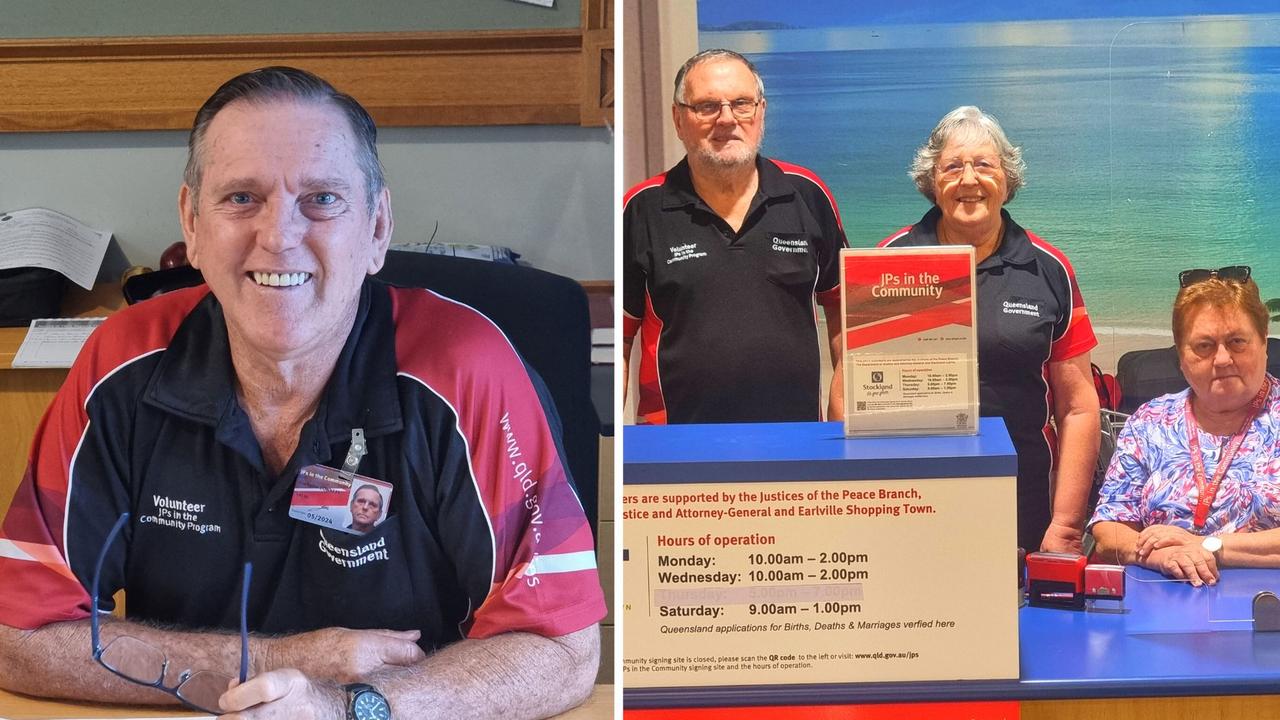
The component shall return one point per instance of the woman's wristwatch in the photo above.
(364, 702)
(1212, 545)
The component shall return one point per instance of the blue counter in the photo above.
(1170, 639)
(807, 451)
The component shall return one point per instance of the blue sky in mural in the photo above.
(843, 13)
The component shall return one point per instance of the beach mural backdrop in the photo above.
(1152, 143)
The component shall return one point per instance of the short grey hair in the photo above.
(277, 83)
(968, 120)
(713, 55)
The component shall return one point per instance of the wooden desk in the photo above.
(20, 707)
(25, 392)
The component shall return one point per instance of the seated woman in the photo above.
(1194, 484)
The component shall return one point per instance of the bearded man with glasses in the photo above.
(723, 258)
(167, 463)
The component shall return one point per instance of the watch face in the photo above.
(1212, 544)
(370, 706)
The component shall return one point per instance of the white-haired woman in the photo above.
(1034, 335)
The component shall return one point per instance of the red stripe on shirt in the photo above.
(473, 367)
(651, 406)
(1079, 337)
(655, 181)
(809, 175)
(36, 519)
(889, 241)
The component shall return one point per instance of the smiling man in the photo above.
(723, 257)
(196, 413)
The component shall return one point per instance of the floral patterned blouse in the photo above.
(1150, 480)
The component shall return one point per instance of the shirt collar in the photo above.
(196, 380)
(678, 192)
(1015, 247)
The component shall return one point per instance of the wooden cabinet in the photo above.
(25, 392)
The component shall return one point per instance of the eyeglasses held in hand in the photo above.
(140, 662)
(1231, 273)
(742, 108)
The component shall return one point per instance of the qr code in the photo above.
(862, 406)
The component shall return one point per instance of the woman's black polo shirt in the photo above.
(1030, 313)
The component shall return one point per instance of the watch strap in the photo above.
(355, 690)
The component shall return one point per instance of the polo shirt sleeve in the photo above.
(634, 251)
(510, 520)
(832, 242)
(1073, 333)
(69, 497)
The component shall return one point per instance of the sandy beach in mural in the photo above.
(1115, 342)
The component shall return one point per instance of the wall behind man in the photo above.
(105, 18)
(545, 191)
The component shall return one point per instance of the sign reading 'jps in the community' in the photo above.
(910, 341)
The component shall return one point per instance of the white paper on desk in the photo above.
(54, 342)
(37, 237)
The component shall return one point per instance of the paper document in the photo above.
(602, 355)
(54, 342)
(910, 341)
(602, 336)
(37, 237)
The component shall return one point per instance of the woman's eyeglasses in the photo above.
(1231, 273)
(140, 662)
(953, 170)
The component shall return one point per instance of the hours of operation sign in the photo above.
(819, 582)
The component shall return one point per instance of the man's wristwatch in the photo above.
(364, 702)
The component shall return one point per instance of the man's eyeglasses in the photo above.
(137, 661)
(742, 108)
(953, 170)
(1231, 273)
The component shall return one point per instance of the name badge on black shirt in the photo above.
(339, 500)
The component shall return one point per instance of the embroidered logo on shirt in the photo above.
(790, 246)
(356, 556)
(179, 514)
(688, 251)
(1020, 306)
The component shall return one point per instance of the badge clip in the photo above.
(354, 454)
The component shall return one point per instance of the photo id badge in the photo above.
(326, 497)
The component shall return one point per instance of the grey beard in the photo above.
(719, 161)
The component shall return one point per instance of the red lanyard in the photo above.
(1207, 494)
